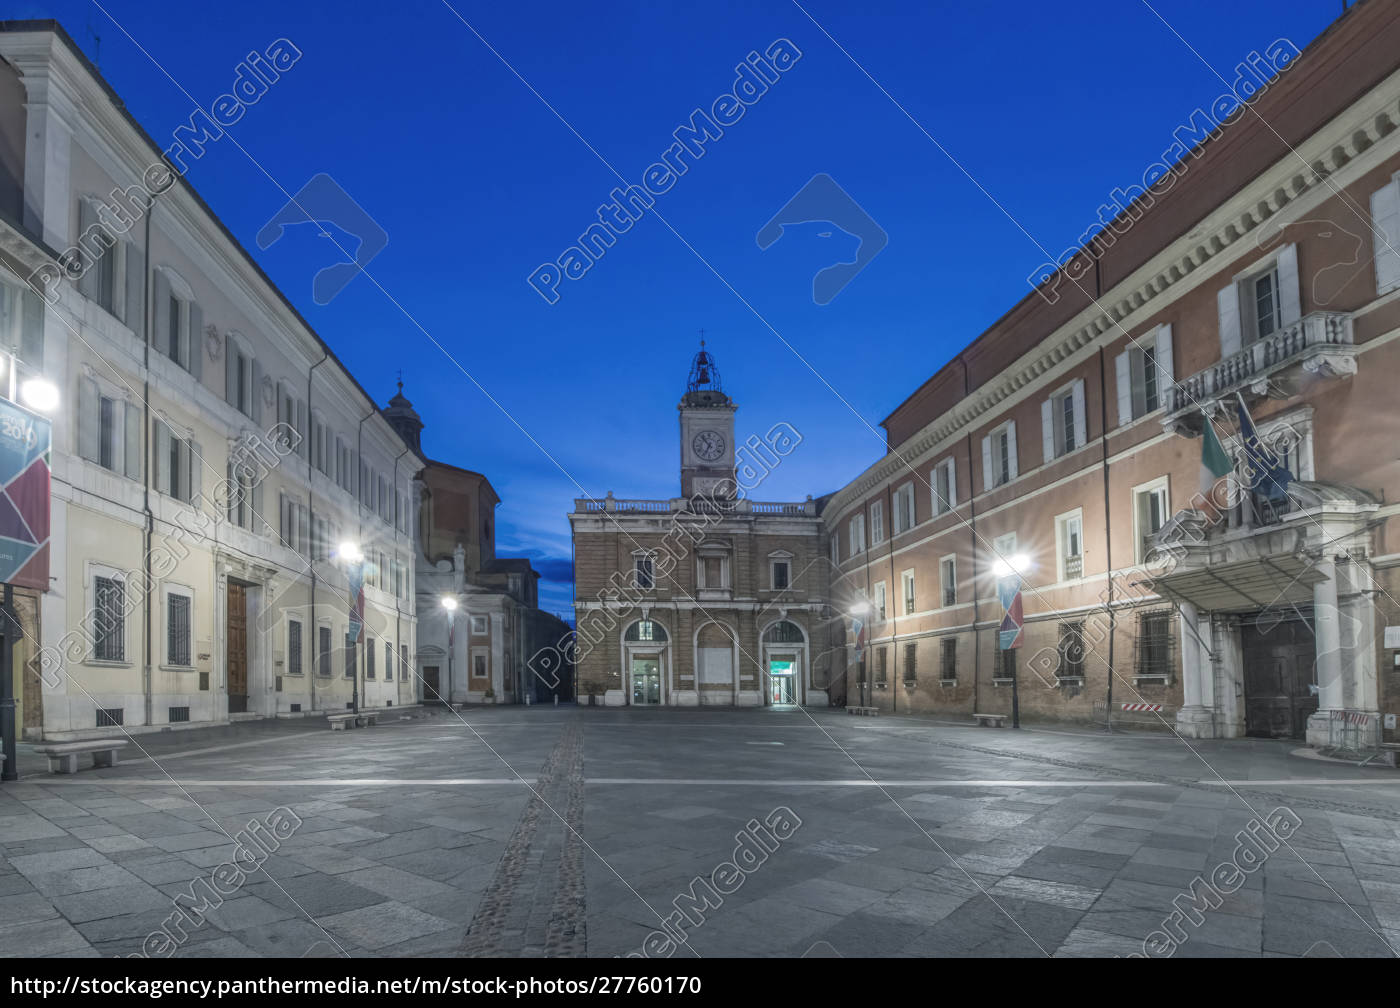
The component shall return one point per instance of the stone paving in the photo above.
(907, 837)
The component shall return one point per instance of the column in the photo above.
(1327, 634)
(1196, 719)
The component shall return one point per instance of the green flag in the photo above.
(1214, 462)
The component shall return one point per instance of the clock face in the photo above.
(708, 445)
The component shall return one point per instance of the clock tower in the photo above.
(707, 431)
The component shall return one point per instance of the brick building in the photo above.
(1066, 440)
(709, 597)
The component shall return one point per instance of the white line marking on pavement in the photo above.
(645, 781)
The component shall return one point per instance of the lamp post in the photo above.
(859, 612)
(1008, 572)
(39, 396)
(354, 559)
(450, 604)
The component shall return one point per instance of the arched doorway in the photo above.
(645, 648)
(716, 664)
(784, 664)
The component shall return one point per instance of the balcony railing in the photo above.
(1320, 343)
(1074, 567)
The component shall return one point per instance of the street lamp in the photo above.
(354, 560)
(450, 604)
(1008, 572)
(858, 611)
(39, 394)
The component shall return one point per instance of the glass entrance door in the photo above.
(782, 680)
(646, 681)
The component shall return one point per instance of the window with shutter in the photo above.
(1385, 236)
(944, 487)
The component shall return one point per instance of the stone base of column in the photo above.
(1319, 733)
(1195, 722)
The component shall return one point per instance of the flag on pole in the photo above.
(1268, 473)
(1214, 462)
(1009, 593)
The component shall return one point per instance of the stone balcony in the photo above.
(695, 505)
(1274, 367)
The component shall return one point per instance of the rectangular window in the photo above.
(1266, 303)
(645, 574)
(879, 600)
(479, 667)
(294, 649)
(109, 619)
(780, 575)
(351, 666)
(904, 508)
(877, 522)
(177, 629)
(1006, 665)
(1154, 644)
(107, 419)
(944, 488)
(1001, 457)
(369, 657)
(882, 656)
(857, 534)
(834, 548)
(712, 572)
(1150, 514)
(1071, 650)
(323, 656)
(403, 661)
(948, 577)
(908, 583)
(1069, 535)
(910, 669)
(388, 662)
(948, 659)
(479, 626)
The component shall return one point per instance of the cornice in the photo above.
(1366, 127)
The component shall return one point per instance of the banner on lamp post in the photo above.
(1009, 593)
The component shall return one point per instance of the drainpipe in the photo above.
(360, 536)
(894, 619)
(972, 527)
(148, 531)
(1108, 535)
(398, 603)
(1107, 510)
(311, 627)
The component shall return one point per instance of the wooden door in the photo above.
(237, 649)
(1278, 673)
(430, 684)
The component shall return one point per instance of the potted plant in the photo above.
(490, 695)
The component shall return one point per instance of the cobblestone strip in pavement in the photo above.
(1321, 804)
(534, 905)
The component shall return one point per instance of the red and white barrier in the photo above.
(1154, 708)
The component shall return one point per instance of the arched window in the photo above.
(645, 630)
(785, 632)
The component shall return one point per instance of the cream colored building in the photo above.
(184, 372)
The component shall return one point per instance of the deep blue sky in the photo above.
(477, 183)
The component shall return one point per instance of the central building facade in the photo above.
(709, 598)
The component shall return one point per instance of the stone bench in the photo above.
(863, 710)
(367, 719)
(989, 720)
(63, 756)
(339, 722)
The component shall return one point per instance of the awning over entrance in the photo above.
(1246, 586)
